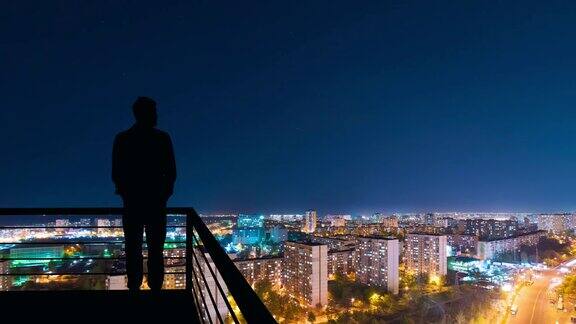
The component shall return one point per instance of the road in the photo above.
(534, 306)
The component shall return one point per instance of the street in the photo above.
(533, 304)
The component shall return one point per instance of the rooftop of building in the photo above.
(425, 234)
(308, 243)
(538, 232)
(378, 237)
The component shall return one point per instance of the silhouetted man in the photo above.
(144, 171)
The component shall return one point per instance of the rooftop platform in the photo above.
(99, 306)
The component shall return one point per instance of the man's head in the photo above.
(144, 109)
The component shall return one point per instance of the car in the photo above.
(514, 309)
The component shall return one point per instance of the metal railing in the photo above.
(218, 290)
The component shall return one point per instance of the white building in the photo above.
(310, 219)
(306, 272)
(490, 249)
(426, 253)
(378, 260)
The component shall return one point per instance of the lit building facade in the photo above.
(35, 256)
(390, 222)
(310, 220)
(175, 277)
(462, 244)
(249, 229)
(556, 223)
(341, 262)
(269, 268)
(378, 260)
(491, 228)
(305, 274)
(491, 249)
(426, 253)
(245, 221)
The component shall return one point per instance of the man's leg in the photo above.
(133, 231)
(155, 237)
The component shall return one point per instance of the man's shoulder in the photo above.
(132, 133)
(123, 134)
(161, 134)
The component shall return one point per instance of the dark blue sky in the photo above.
(281, 106)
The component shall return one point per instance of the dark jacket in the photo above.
(143, 165)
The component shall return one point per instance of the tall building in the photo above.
(426, 253)
(462, 244)
(269, 268)
(310, 219)
(556, 223)
(490, 229)
(306, 272)
(378, 260)
(341, 262)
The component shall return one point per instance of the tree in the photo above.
(311, 317)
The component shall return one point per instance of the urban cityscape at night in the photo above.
(306, 162)
(452, 267)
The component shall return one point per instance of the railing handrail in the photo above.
(250, 305)
(88, 211)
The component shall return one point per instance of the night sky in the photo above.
(282, 106)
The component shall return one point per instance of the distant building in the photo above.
(378, 260)
(35, 255)
(306, 272)
(175, 278)
(286, 218)
(102, 223)
(310, 220)
(428, 219)
(249, 236)
(338, 222)
(556, 223)
(390, 222)
(462, 244)
(276, 234)
(491, 249)
(119, 282)
(341, 262)
(334, 243)
(249, 221)
(249, 229)
(490, 229)
(426, 253)
(269, 268)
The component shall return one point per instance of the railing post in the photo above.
(189, 251)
